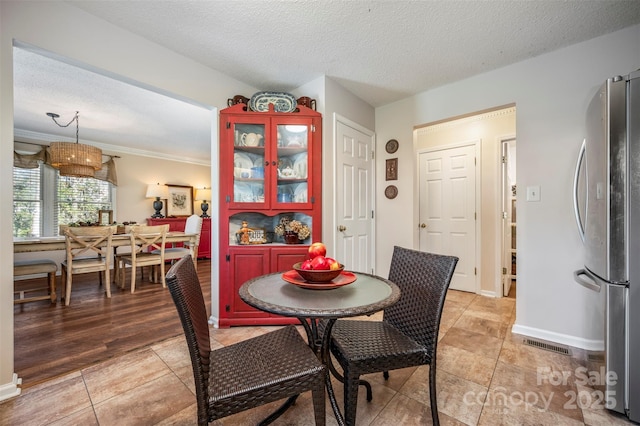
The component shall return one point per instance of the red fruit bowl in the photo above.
(322, 276)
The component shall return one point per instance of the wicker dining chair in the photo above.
(247, 374)
(407, 336)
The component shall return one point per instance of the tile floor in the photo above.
(486, 376)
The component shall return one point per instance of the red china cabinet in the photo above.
(270, 180)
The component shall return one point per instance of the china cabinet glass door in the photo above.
(292, 164)
(249, 159)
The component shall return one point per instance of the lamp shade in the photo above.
(75, 159)
(157, 191)
(203, 194)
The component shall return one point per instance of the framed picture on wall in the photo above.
(392, 169)
(180, 202)
(105, 217)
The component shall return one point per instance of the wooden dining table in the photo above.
(34, 244)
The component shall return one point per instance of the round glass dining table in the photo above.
(318, 309)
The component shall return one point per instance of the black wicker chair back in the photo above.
(247, 374)
(423, 279)
(408, 334)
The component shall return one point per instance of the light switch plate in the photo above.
(533, 193)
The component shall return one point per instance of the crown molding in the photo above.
(37, 137)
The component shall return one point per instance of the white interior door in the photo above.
(354, 198)
(447, 188)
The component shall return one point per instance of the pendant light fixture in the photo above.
(74, 159)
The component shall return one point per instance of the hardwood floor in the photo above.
(52, 340)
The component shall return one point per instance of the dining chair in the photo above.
(144, 240)
(247, 374)
(407, 336)
(193, 225)
(88, 249)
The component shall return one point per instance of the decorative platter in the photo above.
(391, 192)
(392, 146)
(282, 102)
(292, 277)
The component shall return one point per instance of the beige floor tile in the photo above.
(519, 413)
(465, 364)
(542, 390)
(451, 392)
(451, 313)
(173, 352)
(231, 335)
(47, 402)
(121, 374)
(461, 297)
(480, 344)
(185, 417)
(403, 410)
(470, 322)
(366, 411)
(146, 404)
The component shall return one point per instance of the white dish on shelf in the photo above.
(242, 193)
(300, 166)
(242, 161)
(300, 193)
(258, 162)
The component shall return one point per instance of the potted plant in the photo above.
(292, 231)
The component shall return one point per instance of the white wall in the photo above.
(70, 32)
(551, 93)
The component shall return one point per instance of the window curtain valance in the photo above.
(32, 161)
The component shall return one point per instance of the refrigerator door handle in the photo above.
(584, 278)
(576, 179)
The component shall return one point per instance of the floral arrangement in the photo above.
(288, 225)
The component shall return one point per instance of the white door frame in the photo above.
(500, 248)
(477, 143)
(337, 118)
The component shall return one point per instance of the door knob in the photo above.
(342, 228)
(423, 225)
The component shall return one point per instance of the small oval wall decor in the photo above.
(392, 146)
(282, 102)
(391, 192)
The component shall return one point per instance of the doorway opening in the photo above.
(489, 128)
(509, 194)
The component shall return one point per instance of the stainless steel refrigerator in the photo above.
(607, 208)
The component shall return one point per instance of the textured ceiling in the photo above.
(382, 51)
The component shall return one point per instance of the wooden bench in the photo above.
(30, 267)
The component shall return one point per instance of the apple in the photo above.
(319, 263)
(306, 265)
(317, 249)
(333, 264)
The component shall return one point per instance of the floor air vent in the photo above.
(548, 347)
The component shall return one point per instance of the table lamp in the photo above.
(159, 192)
(204, 195)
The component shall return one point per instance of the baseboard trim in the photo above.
(214, 321)
(565, 339)
(12, 389)
(488, 293)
